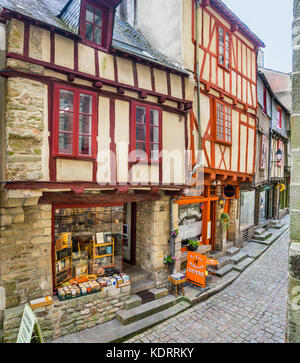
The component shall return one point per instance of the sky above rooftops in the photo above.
(271, 21)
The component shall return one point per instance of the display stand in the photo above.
(103, 251)
(63, 257)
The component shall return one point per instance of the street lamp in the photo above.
(278, 156)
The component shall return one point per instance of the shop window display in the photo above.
(247, 209)
(190, 222)
(88, 241)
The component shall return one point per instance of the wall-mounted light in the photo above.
(278, 156)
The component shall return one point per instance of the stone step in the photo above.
(262, 237)
(240, 267)
(229, 244)
(139, 276)
(224, 270)
(223, 261)
(142, 286)
(266, 242)
(232, 251)
(277, 224)
(133, 302)
(236, 259)
(259, 231)
(130, 316)
(124, 332)
(159, 293)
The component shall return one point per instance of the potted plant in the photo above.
(225, 220)
(193, 245)
(169, 261)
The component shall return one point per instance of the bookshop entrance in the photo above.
(91, 239)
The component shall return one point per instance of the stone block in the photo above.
(133, 302)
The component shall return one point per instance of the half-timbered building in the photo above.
(93, 133)
(220, 53)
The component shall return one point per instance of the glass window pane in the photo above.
(154, 134)
(66, 100)
(85, 124)
(85, 104)
(141, 115)
(141, 150)
(76, 229)
(154, 152)
(65, 143)
(98, 36)
(190, 223)
(247, 209)
(89, 13)
(65, 121)
(154, 117)
(98, 17)
(89, 32)
(140, 132)
(85, 145)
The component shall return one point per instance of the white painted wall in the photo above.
(161, 24)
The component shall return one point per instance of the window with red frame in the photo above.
(279, 118)
(223, 123)
(94, 23)
(75, 120)
(146, 133)
(223, 48)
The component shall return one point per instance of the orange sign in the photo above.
(196, 269)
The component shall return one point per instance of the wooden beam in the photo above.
(103, 198)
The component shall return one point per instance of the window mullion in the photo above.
(148, 151)
(76, 124)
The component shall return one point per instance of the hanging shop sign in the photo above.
(196, 269)
(29, 323)
(229, 191)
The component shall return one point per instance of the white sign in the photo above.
(29, 321)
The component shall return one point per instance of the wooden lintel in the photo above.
(103, 198)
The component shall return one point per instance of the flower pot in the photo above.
(193, 249)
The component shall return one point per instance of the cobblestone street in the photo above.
(252, 310)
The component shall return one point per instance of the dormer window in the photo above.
(95, 17)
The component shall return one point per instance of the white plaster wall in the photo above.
(161, 23)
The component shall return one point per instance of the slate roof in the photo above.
(64, 15)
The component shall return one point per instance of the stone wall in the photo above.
(294, 259)
(152, 238)
(25, 247)
(69, 316)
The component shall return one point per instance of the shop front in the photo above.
(196, 222)
(88, 240)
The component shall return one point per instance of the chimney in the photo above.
(260, 58)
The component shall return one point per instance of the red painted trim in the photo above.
(92, 78)
(132, 146)
(26, 39)
(75, 133)
(116, 69)
(76, 56)
(152, 79)
(169, 84)
(135, 75)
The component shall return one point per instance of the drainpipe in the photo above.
(198, 77)
(172, 200)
